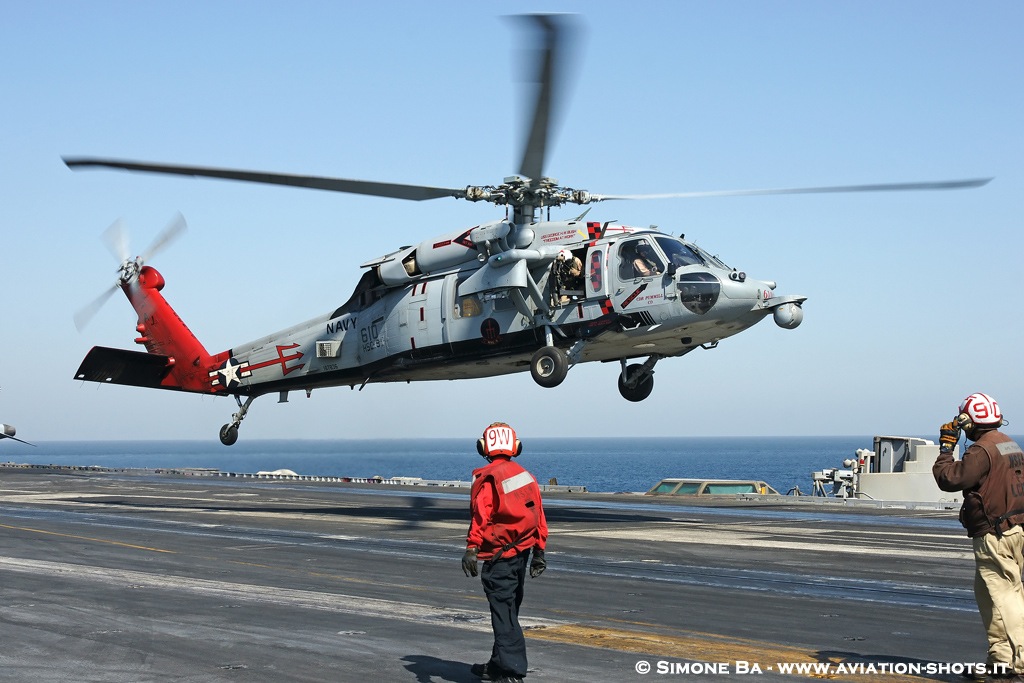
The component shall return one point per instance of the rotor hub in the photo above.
(128, 271)
(518, 192)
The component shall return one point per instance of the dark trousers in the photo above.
(503, 584)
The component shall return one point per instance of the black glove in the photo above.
(537, 564)
(949, 434)
(469, 561)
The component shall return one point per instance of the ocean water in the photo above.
(606, 464)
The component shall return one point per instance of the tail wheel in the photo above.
(549, 366)
(228, 434)
(636, 384)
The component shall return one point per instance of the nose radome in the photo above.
(788, 316)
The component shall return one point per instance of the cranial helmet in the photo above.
(499, 439)
(979, 410)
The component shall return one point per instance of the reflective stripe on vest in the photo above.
(516, 482)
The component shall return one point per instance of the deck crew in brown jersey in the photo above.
(991, 476)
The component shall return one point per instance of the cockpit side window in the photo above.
(678, 253)
(638, 258)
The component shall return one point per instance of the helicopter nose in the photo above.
(739, 286)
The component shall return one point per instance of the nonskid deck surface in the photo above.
(121, 577)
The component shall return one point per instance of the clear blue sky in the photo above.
(913, 298)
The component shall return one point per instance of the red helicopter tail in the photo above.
(174, 358)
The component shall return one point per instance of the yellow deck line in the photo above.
(86, 538)
(716, 649)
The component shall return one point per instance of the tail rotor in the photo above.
(171, 232)
(116, 240)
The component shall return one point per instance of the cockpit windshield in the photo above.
(678, 253)
(714, 260)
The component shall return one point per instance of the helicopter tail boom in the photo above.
(174, 358)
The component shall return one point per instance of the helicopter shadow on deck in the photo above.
(410, 515)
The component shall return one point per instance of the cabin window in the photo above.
(468, 306)
(595, 270)
(720, 489)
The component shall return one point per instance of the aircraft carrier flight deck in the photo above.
(121, 576)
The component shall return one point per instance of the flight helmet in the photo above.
(979, 411)
(499, 439)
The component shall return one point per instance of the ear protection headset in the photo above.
(499, 439)
(964, 422)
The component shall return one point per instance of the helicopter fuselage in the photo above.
(491, 300)
(458, 322)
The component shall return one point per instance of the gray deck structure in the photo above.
(142, 577)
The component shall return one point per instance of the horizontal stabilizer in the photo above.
(118, 366)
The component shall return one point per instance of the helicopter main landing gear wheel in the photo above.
(636, 381)
(549, 366)
(229, 432)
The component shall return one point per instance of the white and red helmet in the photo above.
(981, 410)
(499, 439)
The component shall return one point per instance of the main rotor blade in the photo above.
(393, 190)
(880, 187)
(552, 33)
(170, 233)
(85, 314)
(14, 438)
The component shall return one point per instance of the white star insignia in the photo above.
(230, 373)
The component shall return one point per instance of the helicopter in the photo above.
(522, 292)
(8, 432)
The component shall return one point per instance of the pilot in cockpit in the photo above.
(646, 262)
